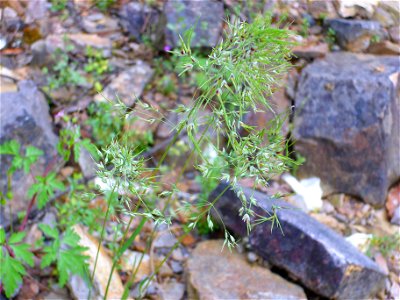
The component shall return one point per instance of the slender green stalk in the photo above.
(101, 239)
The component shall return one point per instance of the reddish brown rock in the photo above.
(214, 273)
(384, 48)
(280, 104)
(311, 51)
(393, 200)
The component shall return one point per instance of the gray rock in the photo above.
(165, 239)
(10, 18)
(143, 21)
(308, 250)
(347, 124)
(216, 273)
(396, 217)
(25, 118)
(129, 84)
(87, 164)
(354, 35)
(172, 290)
(207, 17)
(99, 23)
(36, 10)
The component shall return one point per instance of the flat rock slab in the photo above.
(129, 84)
(313, 253)
(347, 124)
(206, 16)
(219, 274)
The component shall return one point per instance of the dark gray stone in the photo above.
(354, 35)
(25, 118)
(311, 252)
(347, 124)
(143, 21)
(207, 16)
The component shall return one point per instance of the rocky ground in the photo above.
(341, 228)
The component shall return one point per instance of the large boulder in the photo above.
(308, 250)
(347, 124)
(206, 16)
(216, 273)
(25, 118)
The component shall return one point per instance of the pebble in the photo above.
(251, 257)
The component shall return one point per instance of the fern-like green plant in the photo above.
(65, 252)
(14, 256)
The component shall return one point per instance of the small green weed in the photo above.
(304, 27)
(65, 71)
(58, 5)
(65, 251)
(384, 244)
(14, 256)
(330, 37)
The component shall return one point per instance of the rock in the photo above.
(384, 48)
(83, 40)
(396, 217)
(393, 8)
(308, 192)
(36, 10)
(217, 274)
(321, 9)
(99, 23)
(381, 262)
(143, 21)
(394, 33)
(164, 239)
(57, 293)
(172, 290)
(140, 264)
(78, 286)
(311, 252)
(133, 261)
(280, 103)
(383, 17)
(354, 35)
(25, 118)
(352, 8)
(347, 124)
(129, 84)
(395, 290)
(87, 164)
(360, 240)
(207, 17)
(176, 267)
(311, 51)
(10, 18)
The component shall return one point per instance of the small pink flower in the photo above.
(59, 115)
(167, 48)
